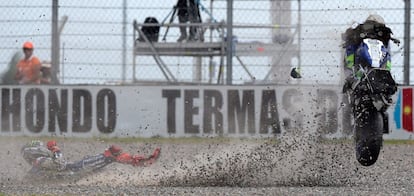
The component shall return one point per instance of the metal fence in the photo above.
(96, 41)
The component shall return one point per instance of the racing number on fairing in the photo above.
(375, 52)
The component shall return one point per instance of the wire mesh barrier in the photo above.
(100, 45)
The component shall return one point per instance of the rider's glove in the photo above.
(57, 155)
(154, 156)
(139, 160)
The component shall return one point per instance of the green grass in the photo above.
(180, 140)
(170, 140)
(187, 140)
(399, 142)
(386, 142)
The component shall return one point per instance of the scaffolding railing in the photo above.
(209, 48)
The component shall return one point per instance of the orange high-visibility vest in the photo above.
(30, 70)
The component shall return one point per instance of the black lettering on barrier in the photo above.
(82, 107)
(292, 100)
(269, 107)
(35, 110)
(171, 96)
(12, 109)
(246, 108)
(213, 109)
(58, 110)
(328, 102)
(106, 97)
(189, 111)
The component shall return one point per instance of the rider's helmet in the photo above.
(375, 18)
(51, 144)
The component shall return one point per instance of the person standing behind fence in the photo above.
(187, 12)
(46, 73)
(28, 68)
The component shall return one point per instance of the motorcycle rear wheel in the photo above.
(368, 137)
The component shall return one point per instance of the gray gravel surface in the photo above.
(237, 167)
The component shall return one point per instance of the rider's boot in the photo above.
(385, 122)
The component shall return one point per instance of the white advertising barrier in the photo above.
(175, 111)
(166, 111)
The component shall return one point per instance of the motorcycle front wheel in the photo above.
(368, 137)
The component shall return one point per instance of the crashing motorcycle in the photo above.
(370, 96)
(36, 155)
(65, 172)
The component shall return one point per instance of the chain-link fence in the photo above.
(96, 41)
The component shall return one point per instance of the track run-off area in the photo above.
(221, 166)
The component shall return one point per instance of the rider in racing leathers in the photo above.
(51, 158)
(356, 51)
(113, 154)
